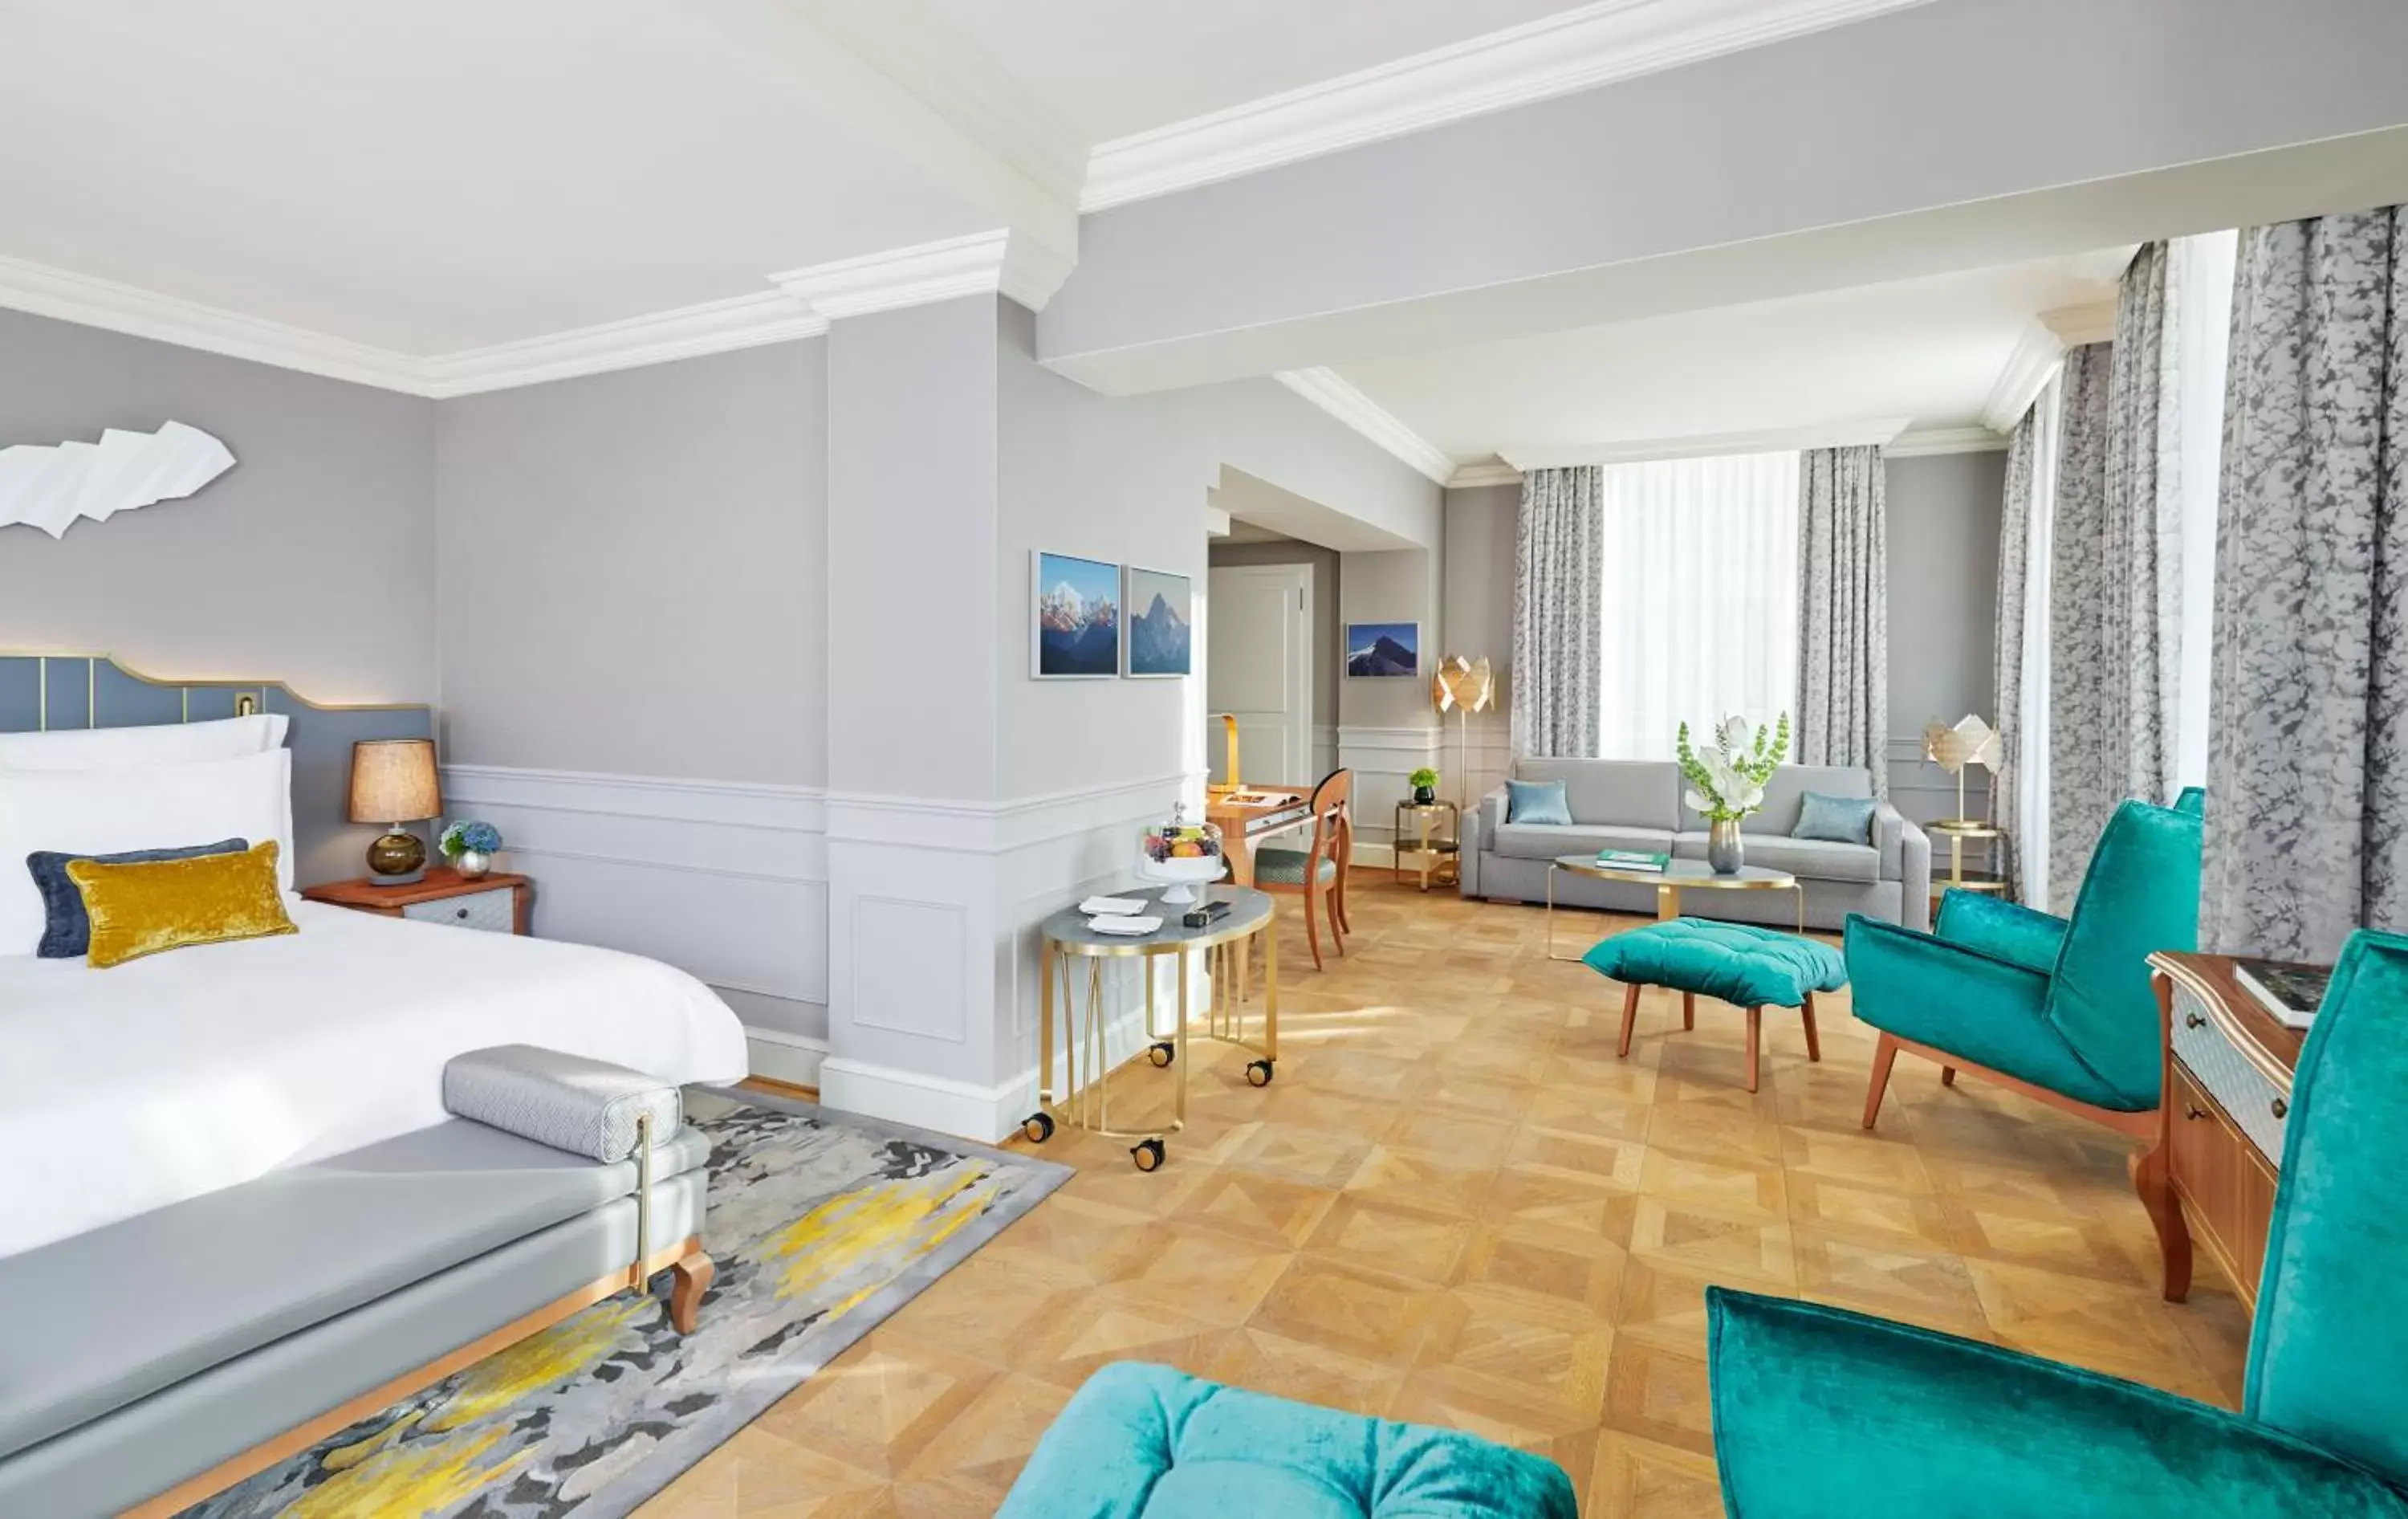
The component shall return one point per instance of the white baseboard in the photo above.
(1377, 856)
(779, 1056)
(985, 1114)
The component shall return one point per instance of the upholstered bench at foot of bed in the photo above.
(147, 1353)
(1151, 1441)
(1747, 966)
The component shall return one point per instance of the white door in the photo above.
(1258, 667)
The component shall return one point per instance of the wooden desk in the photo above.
(2229, 1065)
(1244, 825)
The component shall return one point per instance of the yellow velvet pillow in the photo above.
(159, 905)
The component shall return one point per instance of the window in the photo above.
(1700, 597)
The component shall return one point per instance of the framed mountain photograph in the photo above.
(1383, 650)
(1075, 617)
(1158, 643)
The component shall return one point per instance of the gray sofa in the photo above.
(143, 1354)
(1636, 805)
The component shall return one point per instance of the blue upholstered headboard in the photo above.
(92, 690)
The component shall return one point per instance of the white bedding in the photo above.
(127, 1089)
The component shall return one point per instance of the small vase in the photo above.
(1724, 851)
(1425, 795)
(472, 863)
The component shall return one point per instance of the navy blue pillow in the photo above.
(66, 931)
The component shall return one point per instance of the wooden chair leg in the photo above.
(1339, 899)
(1755, 1043)
(1814, 1041)
(1312, 929)
(1333, 904)
(1629, 1019)
(1885, 1056)
(689, 1280)
(1688, 1010)
(1948, 1076)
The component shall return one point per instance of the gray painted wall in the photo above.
(312, 561)
(1326, 635)
(1885, 118)
(1399, 586)
(1478, 608)
(1943, 594)
(634, 570)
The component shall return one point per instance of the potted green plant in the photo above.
(1727, 783)
(1424, 784)
(470, 846)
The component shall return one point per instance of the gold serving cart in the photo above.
(1084, 1099)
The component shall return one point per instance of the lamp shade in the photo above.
(392, 781)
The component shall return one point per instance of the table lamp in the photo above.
(1465, 686)
(393, 782)
(1971, 742)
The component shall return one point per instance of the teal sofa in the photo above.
(1818, 1411)
(1148, 1441)
(2058, 1009)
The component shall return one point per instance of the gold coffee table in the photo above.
(1670, 882)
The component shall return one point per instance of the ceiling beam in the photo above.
(1831, 434)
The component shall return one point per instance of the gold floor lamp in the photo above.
(1464, 686)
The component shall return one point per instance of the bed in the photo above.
(243, 1217)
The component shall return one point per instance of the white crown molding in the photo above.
(1922, 443)
(46, 292)
(1832, 434)
(987, 263)
(1000, 262)
(1473, 477)
(2075, 325)
(711, 327)
(2042, 345)
(1576, 49)
(1327, 390)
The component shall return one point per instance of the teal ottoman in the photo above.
(1734, 962)
(1147, 1440)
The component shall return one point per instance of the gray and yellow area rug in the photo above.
(822, 1226)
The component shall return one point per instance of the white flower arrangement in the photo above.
(1726, 782)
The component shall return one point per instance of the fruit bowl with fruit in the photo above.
(1181, 855)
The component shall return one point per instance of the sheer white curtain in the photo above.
(2032, 740)
(2199, 329)
(1699, 604)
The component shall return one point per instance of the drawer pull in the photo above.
(2193, 1020)
(2190, 1112)
(461, 913)
(2282, 1108)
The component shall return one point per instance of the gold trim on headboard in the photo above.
(42, 658)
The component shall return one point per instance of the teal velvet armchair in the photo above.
(1819, 1411)
(2058, 1009)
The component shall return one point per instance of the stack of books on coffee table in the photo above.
(1632, 859)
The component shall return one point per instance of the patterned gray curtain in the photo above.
(1558, 569)
(2093, 563)
(2007, 649)
(1843, 611)
(2307, 817)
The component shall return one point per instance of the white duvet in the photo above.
(127, 1089)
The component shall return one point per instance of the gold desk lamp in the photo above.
(1958, 748)
(1229, 737)
(1465, 686)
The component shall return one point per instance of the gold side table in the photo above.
(1434, 850)
(1992, 878)
(1082, 1098)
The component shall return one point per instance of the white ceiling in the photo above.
(1929, 349)
(1115, 68)
(440, 175)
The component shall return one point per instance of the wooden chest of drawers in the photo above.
(2227, 1096)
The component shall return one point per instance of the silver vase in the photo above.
(1724, 851)
(472, 863)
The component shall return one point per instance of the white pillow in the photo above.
(157, 806)
(158, 743)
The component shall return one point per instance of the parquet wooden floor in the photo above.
(1455, 1206)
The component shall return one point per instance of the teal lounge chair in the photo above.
(1818, 1411)
(2058, 1009)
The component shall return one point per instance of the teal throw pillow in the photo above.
(1537, 801)
(1841, 820)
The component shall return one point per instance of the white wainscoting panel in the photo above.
(1381, 759)
(908, 966)
(726, 880)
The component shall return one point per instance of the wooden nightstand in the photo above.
(497, 903)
